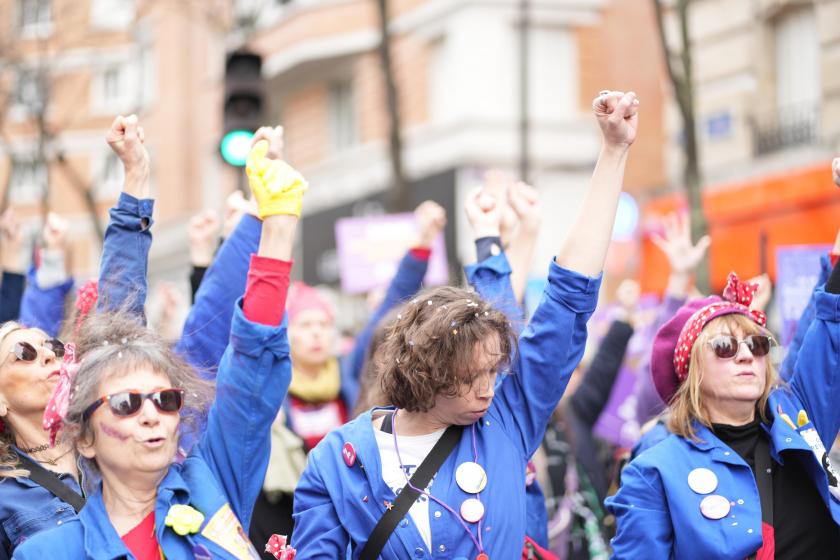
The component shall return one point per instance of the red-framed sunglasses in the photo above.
(128, 403)
(25, 352)
(726, 347)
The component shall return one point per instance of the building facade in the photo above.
(767, 94)
(460, 80)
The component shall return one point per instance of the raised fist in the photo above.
(126, 138)
(431, 219)
(55, 232)
(204, 235)
(483, 213)
(617, 114)
(276, 185)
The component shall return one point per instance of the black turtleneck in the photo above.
(802, 522)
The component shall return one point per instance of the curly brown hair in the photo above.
(429, 350)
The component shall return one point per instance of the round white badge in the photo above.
(472, 510)
(470, 477)
(714, 507)
(702, 481)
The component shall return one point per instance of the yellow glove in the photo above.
(276, 185)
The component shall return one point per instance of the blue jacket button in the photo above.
(419, 552)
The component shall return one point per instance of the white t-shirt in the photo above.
(413, 450)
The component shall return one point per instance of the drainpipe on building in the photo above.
(524, 131)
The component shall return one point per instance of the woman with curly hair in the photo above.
(368, 486)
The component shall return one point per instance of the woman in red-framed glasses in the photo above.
(133, 398)
(745, 473)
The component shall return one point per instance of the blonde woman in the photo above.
(744, 473)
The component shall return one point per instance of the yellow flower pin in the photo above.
(184, 519)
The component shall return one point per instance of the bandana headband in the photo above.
(737, 297)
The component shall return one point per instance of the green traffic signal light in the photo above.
(235, 146)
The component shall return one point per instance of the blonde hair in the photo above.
(8, 458)
(686, 405)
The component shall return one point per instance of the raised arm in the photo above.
(585, 248)
(255, 371)
(11, 245)
(683, 258)
(525, 202)
(816, 378)
(203, 234)
(552, 344)
(491, 276)
(125, 251)
(594, 390)
(787, 368)
(49, 283)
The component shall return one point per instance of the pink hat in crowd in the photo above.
(303, 298)
(674, 340)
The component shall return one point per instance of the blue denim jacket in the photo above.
(337, 506)
(222, 476)
(25, 507)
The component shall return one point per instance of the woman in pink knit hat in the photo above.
(745, 472)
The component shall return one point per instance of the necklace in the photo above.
(31, 450)
(54, 460)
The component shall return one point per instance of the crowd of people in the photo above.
(455, 426)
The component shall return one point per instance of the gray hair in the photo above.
(115, 343)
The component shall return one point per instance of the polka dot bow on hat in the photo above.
(673, 342)
(737, 297)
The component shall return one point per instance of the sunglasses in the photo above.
(726, 347)
(25, 352)
(128, 403)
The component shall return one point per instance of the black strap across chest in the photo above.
(50, 481)
(408, 495)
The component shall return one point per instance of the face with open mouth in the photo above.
(28, 372)
(129, 439)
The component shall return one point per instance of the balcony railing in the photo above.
(786, 127)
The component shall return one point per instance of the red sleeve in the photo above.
(266, 289)
(421, 253)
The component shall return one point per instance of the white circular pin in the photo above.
(702, 481)
(714, 507)
(472, 510)
(471, 477)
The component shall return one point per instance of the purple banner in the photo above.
(797, 272)
(618, 423)
(370, 248)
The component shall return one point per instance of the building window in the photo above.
(28, 181)
(111, 177)
(111, 84)
(30, 91)
(112, 14)
(34, 16)
(795, 120)
(341, 115)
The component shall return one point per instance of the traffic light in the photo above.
(243, 105)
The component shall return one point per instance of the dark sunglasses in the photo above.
(128, 403)
(726, 347)
(25, 352)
